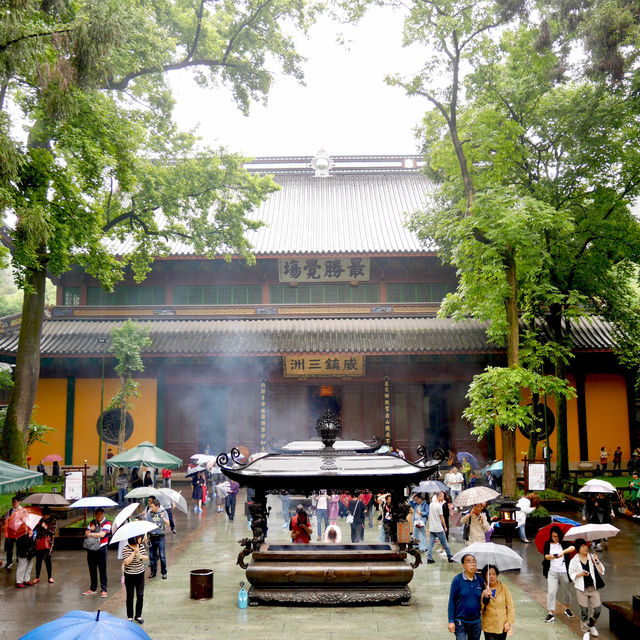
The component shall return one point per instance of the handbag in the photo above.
(350, 519)
(43, 543)
(91, 544)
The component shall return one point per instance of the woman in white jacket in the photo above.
(585, 569)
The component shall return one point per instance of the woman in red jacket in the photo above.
(300, 526)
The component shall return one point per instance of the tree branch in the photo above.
(42, 34)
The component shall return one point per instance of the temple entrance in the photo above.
(323, 398)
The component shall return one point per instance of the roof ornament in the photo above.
(322, 164)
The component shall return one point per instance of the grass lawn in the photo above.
(619, 482)
(5, 498)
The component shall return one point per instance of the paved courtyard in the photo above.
(210, 541)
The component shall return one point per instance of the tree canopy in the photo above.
(105, 179)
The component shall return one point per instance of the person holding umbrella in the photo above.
(9, 543)
(498, 611)
(45, 531)
(158, 516)
(465, 594)
(585, 570)
(134, 555)
(555, 569)
(26, 552)
(100, 529)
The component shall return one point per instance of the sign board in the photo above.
(327, 364)
(537, 476)
(73, 485)
(328, 269)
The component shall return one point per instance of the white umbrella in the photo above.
(123, 515)
(147, 492)
(592, 532)
(598, 486)
(176, 497)
(93, 503)
(132, 530)
(203, 458)
(486, 553)
(475, 495)
(193, 470)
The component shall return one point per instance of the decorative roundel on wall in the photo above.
(551, 423)
(111, 426)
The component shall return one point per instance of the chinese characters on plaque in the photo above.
(327, 364)
(323, 269)
(536, 475)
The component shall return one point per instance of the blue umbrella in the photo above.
(77, 625)
(565, 520)
(430, 486)
(471, 459)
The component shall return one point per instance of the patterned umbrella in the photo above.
(475, 495)
(22, 521)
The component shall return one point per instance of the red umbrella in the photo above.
(543, 534)
(22, 520)
(52, 457)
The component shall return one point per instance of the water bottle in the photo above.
(243, 598)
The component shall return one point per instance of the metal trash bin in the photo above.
(202, 584)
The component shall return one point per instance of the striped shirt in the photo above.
(104, 526)
(136, 566)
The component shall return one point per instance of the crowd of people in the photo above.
(478, 601)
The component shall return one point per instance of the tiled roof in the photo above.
(350, 211)
(276, 336)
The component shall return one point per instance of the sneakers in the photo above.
(593, 631)
(139, 620)
(429, 561)
(164, 576)
(8, 567)
(550, 617)
(451, 560)
(526, 541)
(103, 594)
(152, 575)
(586, 636)
(569, 613)
(89, 593)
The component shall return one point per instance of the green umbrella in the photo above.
(147, 455)
(14, 478)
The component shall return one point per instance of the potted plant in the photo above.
(537, 519)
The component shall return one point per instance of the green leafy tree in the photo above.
(105, 179)
(127, 343)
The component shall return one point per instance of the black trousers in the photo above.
(9, 544)
(495, 636)
(43, 554)
(97, 561)
(134, 582)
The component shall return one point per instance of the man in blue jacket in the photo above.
(465, 599)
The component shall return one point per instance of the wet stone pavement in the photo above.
(209, 541)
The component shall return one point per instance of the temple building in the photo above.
(339, 312)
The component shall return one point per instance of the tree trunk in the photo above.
(562, 443)
(509, 484)
(123, 414)
(27, 371)
(533, 434)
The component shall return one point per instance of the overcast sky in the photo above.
(345, 107)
